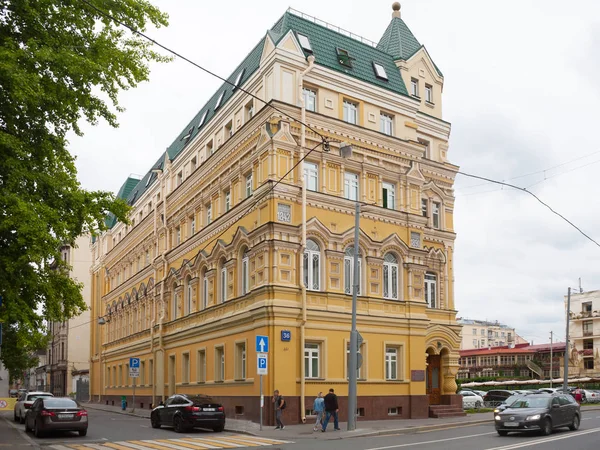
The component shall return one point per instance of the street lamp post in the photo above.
(566, 374)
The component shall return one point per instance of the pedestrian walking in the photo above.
(578, 395)
(279, 403)
(331, 409)
(319, 409)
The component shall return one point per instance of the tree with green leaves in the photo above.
(61, 61)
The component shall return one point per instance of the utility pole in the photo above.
(551, 360)
(566, 374)
(353, 362)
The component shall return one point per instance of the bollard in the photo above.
(123, 403)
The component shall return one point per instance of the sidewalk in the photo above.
(364, 427)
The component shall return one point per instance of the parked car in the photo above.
(480, 393)
(592, 396)
(539, 412)
(13, 393)
(471, 400)
(184, 412)
(25, 402)
(496, 396)
(56, 414)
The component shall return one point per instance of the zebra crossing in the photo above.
(184, 443)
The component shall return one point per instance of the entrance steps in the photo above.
(441, 411)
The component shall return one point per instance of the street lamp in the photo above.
(346, 153)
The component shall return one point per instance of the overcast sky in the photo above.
(522, 95)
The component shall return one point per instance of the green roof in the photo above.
(124, 193)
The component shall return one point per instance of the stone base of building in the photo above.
(248, 408)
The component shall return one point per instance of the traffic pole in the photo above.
(262, 402)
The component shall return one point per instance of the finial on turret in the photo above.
(396, 8)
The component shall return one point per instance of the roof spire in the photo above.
(396, 8)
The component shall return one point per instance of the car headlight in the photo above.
(498, 418)
(535, 417)
(496, 411)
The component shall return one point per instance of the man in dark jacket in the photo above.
(331, 409)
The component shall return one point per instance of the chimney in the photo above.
(396, 9)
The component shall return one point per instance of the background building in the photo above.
(219, 250)
(584, 334)
(484, 333)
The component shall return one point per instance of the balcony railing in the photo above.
(588, 333)
(584, 315)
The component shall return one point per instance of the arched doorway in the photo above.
(433, 377)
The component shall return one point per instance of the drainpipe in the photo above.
(311, 60)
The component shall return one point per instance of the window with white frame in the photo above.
(435, 214)
(240, 363)
(310, 99)
(223, 284)
(390, 276)
(360, 350)
(201, 366)
(304, 42)
(174, 305)
(227, 201)
(205, 291)
(192, 225)
(245, 273)
(208, 214)
(350, 112)
(414, 87)
(312, 265)
(389, 195)
(428, 93)
(386, 124)
(188, 297)
(391, 363)
(431, 290)
(351, 186)
(311, 359)
(349, 275)
(311, 176)
(177, 235)
(248, 185)
(219, 364)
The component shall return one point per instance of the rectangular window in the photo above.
(389, 195)
(151, 372)
(588, 363)
(414, 87)
(311, 360)
(311, 176)
(223, 284)
(474, 342)
(586, 307)
(177, 235)
(219, 100)
(179, 178)
(249, 110)
(351, 186)
(228, 130)
(310, 99)
(415, 239)
(380, 71)
(475, 331)
(185, 368)
(350, 112)
(201, 366)
(205, 291)
(424, 207)
(240, 361)
(249, 185)
(435, 214)
(227, 201)
(304, 43)
(192, 225)
(428, 94)
(430, 290)
(588, 328)
(209, 148)
(386, 124)
(208, 214)
(193, 163)
(391, 363)
(219, 364)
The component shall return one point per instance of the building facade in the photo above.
(232, 236)
(584, 334)
(483, 334)
(68, 350)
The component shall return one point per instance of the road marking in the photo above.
(545, 440)
(217, 442)
(196, 444)
(115, 446)
(442, 428)
(430, 442)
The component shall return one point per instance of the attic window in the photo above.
(344, 57)
(219, 100)
(203, 118)
(305, 43)
(186, 137)
(380, 71)
(238, 79)
(149, 179)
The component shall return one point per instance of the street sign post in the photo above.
(262, 348)
(262, 344)
(134, 372)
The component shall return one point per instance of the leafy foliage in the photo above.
(61, 61)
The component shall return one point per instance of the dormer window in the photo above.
(238, 79)
(219, 100)
(414, 87)
(344, 57)
(380, 71)
(305, 43)
(186, 137)
(203, 118)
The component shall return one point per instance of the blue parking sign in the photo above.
(134, 363)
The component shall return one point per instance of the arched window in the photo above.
(312, 266)
(143, 318)
(390, 276)
(245, 273)
(188, 296)
(349, 271)
(431, 290)
(204, 290)
(174, 303)
(223, 283)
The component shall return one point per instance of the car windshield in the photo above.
(510, 400)
(199, 400)
(531, 402)
(31, 398)
(60, 403)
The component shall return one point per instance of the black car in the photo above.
(497, 396)
(506, 403)
(539, 412)
(184, 412)
(56, 414)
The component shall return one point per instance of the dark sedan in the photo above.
(184, 412)
(539, 412)
(56, 414)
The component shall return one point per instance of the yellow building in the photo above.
(215, 253)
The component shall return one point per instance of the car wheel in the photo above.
(178, 425)
(83, 432)
(575, 424)
(219, 429)
(36, 430)
(547, 427)
(502, 432)
(154, 421)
